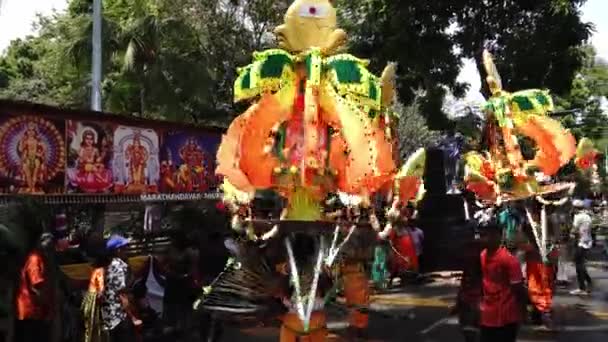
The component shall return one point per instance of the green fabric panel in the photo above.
(373, 90)
(273, 66)
(523, 102)
(542, 99)
(347, 71)
(497, 106)
(246, 80)
(308, 62)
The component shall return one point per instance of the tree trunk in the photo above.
(485, 89)
(142, 101)
(142, 91)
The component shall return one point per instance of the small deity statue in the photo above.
(32, 152)
(137, 155)
(294, 147)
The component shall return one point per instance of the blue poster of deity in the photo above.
(188, 162)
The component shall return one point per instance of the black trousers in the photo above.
(210, 328)
(124, 332)
(507, 333)
(584, 280)
(30, 330)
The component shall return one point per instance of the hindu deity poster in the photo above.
(32, 155)
(89, 167)
(135, 164)
(188, 162)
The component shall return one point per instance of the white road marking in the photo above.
(337, 325)
(437, 324)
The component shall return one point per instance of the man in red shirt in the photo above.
(504, 297)
(34, 302)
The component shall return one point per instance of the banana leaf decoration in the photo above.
(510, 114)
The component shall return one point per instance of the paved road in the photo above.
(419, 313)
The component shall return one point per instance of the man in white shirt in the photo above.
(581, 230)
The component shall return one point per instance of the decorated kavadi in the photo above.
(318, 118)
(319, 124)
(501, 170)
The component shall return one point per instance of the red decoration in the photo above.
(220, 206)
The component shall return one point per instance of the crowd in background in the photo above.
(508, 281)
(114, 307)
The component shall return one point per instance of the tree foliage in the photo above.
(587, 92)
(536, 43)
(179, 61)
(415, 35)
(412, 130)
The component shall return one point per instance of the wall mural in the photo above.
(188, 162)
(135, 166)
(32, 158)
(40, 155)
(89, 164)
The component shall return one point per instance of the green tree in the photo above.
(536, 43)
(415, 35)
(179, 62)
(589, 88)
(588, 119)
(412, 130)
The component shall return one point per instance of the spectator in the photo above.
(91, 305)
(581, 231)
(417, 236)
(115, 299)
(35, 294)
(469, 294)
(180, 289)
(404, 262)
(504, 297)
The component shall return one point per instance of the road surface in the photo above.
(419, 313)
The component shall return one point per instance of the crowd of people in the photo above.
(493, 300)
(496, 295)
(114, 306)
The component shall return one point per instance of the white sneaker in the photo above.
(577, 292)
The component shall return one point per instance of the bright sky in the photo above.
(595, 11)
(17, 16)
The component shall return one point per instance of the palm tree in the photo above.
(153, 61)
(143, 44)
(76, 32)
(164, 55)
